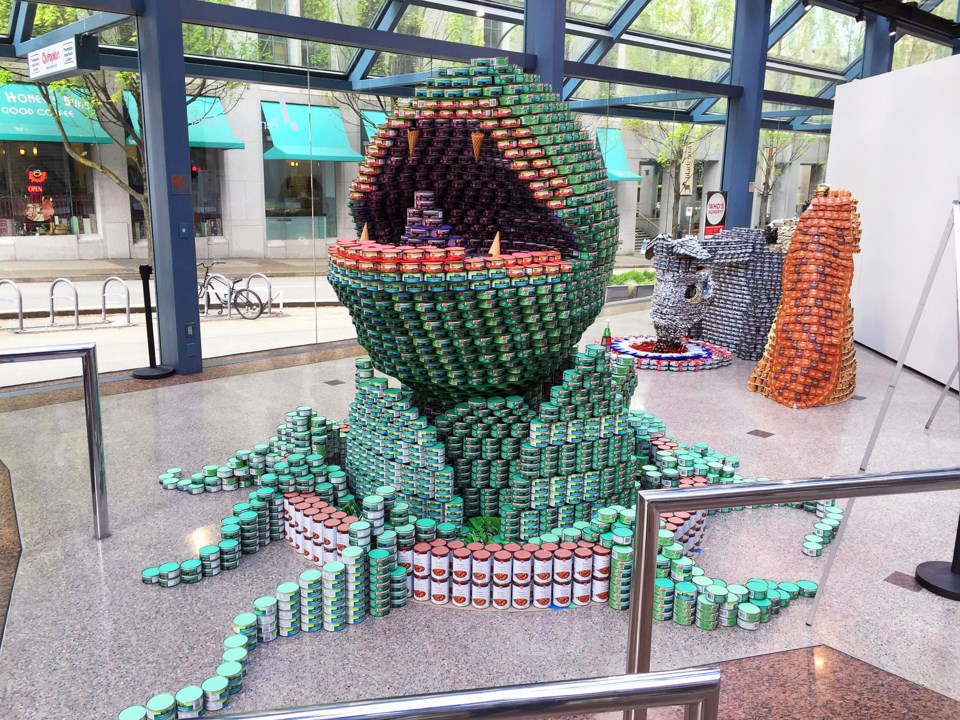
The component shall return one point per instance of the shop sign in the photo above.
(687, 169)
(26, 104)
(64, 59)
(716, 214)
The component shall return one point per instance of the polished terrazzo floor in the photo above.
(87, 638)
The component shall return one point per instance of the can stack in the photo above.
(232, 672)
(459, 141)
(210, 560)
(621, 572)
(288, 609)
(747, 288)
(246, 624)
(216, 693)
(393, 443)
(161, 707)
(382, 564)
(334, 586)
(266, 610)
(539, 470)
(354, 560)
(684, 603)
(189, 702)
(311, 600)
(663, 598)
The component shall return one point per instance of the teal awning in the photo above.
(307, 132)
(206, 123)
(371, 119)
(614, 155)
(25, 117)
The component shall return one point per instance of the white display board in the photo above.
(895, 146)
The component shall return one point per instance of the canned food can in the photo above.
(501, 595)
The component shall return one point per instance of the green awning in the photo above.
(206, 123)
(614, 155)
(371, 119)
(24, 116)
(307, 132)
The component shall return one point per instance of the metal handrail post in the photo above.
(11, 283)
(76, 301)
(695, 686)
(650, 503)
(87, 352)
(103, 296)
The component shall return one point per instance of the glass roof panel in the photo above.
(910, 50)
(777, 8)
(457, 27)
(233, 45)
(822, 39)
(5, 7)
(663, 62)
(703, 21)
(359, 13)
(652, 97)
(389, 64)
(595, 11)
(52, 17)
(947, 9)
(122, 35)
(790, 83)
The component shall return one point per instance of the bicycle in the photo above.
(244, 300)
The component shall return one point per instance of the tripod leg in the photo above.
(943, 394)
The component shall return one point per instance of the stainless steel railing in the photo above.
(87, 352)
(650, 503)
(698, 689)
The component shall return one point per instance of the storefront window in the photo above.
(297, 191)
(44, 191)
(206, 169)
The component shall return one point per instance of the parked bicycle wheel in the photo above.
(248, 304)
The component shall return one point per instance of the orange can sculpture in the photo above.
(809, 359)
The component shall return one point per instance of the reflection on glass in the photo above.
(822, 39)
(44, 191)
(663, 62)
(709, 22)
(910, 51)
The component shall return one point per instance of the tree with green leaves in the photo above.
(778, 149)
(670, 143)
(108, 92)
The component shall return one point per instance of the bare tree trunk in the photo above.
(675, 210)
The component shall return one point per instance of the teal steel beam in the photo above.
(877, 46)
(621, 76)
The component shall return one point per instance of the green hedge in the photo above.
(634, 277)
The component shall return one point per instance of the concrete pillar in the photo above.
(244, 207)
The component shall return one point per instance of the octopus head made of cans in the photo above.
(498, 154)
(682, 292)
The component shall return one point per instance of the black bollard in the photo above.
(154, 372)
(940, 576)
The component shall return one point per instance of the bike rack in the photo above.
(228, 287)
(270, 296)
(76, 301)
(12, 284)
(103, 297)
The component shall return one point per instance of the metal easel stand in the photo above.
(944, 578)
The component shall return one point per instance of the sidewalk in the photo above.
(46, 271)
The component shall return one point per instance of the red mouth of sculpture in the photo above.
(476, 189)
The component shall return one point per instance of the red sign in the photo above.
(716, 214)
(176, 181)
